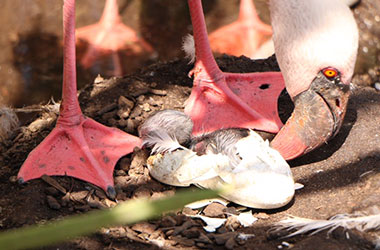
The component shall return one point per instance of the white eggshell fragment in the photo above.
(261, 179)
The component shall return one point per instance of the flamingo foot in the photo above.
(87, 151)
(236, 100)
(110, 38)
(243, 36)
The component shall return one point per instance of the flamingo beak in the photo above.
(317, 117)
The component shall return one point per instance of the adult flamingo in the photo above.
(223, 100)
(243, 36)
(78, 146)
(110, 37)
(316, 45)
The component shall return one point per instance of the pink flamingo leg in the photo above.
(109, 37)
(78, 146)
(244, 36)
(222, 100)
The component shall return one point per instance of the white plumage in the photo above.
(298, 225)
(310, 35)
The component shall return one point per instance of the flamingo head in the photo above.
(316, 44)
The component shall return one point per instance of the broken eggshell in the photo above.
(261, 179)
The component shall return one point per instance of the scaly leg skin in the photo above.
(78, 146)
(242, 37)
(222, 100)
(110, 37)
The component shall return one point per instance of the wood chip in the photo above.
(49, 180)
(144, 227)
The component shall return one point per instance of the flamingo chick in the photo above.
(78, 146)
(110, 37)
(259, 176)
(316, 44)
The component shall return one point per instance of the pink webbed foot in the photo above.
(244, 36)
(87, 151)
(110, 38)
(222, 100)
(235, 100)
(78, 146)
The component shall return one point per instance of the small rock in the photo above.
(157, 195)
(125, 163)
(214, 210)
(181, 218)
(53, 203)
(124, 114)
(169, 232)
(191, 233)
(141, 99)
(141, 192)
(94, 202)
(183, 241)
(136, 112)
(203, 238)
(232, 223)
(130, 127)
(189, 211)
(168, 221)
(13, 179)
(122, 123)
(201, 245)
(78, 196)
(144, 227)
(158, 92)
(82, 208)
(263, 216)
(139, 158)
(183, 227)
(100, 194)
(109, 115)
(124, 102)
(108, 203)
(222, 230)
(51, 191)
(230, 243)
(156, 234)
(120, 173)
(221, 239)
(107, 109)
(122, 181)
(146, 107)
(231, 210)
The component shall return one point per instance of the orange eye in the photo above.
(330, 72)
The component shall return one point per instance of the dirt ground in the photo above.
(340, 177)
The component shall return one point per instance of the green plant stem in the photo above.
(129, 212)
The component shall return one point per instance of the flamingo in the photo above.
(78, 146)
(316, 45)
(222, 100)
(110, 36)
(243, 36)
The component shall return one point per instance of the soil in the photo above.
(342, 176)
